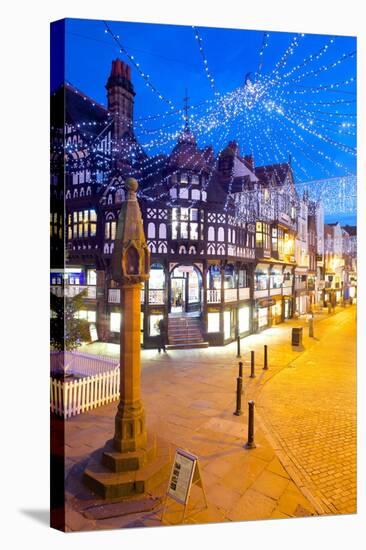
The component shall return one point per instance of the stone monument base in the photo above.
(111, 474)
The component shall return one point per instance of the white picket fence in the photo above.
(69, 398)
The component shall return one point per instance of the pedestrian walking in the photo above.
(162, 335)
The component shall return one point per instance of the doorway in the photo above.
(178, 291)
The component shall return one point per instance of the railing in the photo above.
(80, 364)
(300, 285)
(156, 297)
(244, 293)
(261, 293)
(214, 296)
(95, 382)
(114, 296)
(69, 398)
(230, 295)
(275, 291)
(73, 290)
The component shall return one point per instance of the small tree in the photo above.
(67, 331)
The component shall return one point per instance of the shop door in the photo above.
(177, 304)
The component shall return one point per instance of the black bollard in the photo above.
(252, 365)
(240, 369)
(238, 346)
(250, 443)
(265, 366)
(239, 389)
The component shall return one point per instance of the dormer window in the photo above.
(195, 179)
(184, 178)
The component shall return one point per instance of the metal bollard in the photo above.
(265, 366)
(250, 443)
(311, 327)
(240, 369)
(238, 346)
(239, 389)
(252, 365)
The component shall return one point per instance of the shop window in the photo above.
(214, 277)
(227, 324)
(154, 324)
(115, 322)
(193, 288)
(243, 278)
(229, 276)
(276, 278)
(213, 322)
(91, 277)
(157, 277)
(260, 280)
(262, 317)
(244, 319)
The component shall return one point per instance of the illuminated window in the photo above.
(154, 324)
(184, 230)
(92, 277)
(184, 178)
(194, 231)
(195, 179)
(244, 319)
(115, 322)
(213, 322)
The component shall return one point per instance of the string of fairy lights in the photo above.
(286, 111)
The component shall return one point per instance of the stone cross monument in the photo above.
(130, 463)
(130, 267)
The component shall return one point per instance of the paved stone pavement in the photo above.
(310, 410)
(189, 397)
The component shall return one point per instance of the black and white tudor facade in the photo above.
(221, 231)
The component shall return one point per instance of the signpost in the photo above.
(185, 472)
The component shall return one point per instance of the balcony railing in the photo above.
(114, 296)
(244, 293)
(156, 297)
(73, 290)
(214, 296)
(275, 291)
(261, 293)
(230, 294)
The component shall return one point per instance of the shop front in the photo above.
(263, 313)
(185, 290)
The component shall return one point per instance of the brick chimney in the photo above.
(120, 98)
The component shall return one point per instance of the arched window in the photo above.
(88, 191)
(221, 235)
(162, 231)
(229, 235)
(82, 192)
(182, 250)
(211, 233)
(233, 236)
(75, 194)
(151, 231)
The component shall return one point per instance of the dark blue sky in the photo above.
(171, 56)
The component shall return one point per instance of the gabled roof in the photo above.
(276, 173)
(79, 109)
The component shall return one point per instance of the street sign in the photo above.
(185, 472)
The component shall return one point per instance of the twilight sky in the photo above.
(298, 105)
